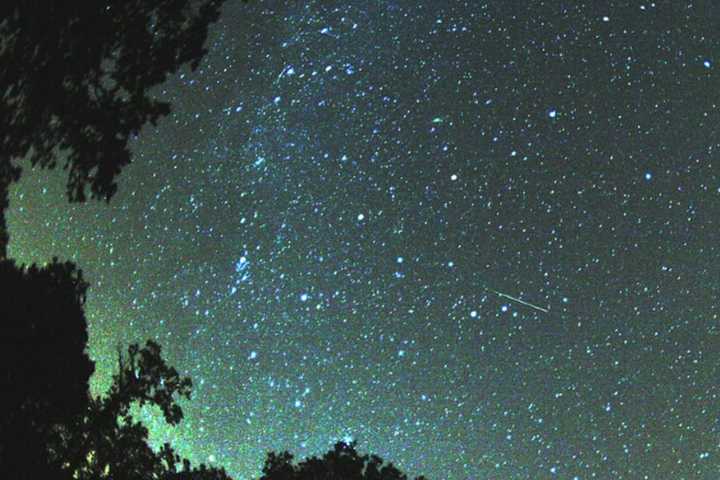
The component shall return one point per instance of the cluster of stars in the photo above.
(321, 232)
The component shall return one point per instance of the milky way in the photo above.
(316, 233)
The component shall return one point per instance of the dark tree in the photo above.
(50, 427)
(106, 442)
(75, 83)
(44, 369)
(343, 462)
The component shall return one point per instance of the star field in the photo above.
(318, 233)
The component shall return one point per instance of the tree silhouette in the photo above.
(343, 462)
(75, 89)
(50, 427)
(107, 442)
(44, 369)
(75, 83)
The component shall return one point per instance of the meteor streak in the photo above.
(514, 299)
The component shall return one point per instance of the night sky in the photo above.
(326, 233)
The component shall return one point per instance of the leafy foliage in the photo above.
(108, 443)
(50, 426)
(75, 88)
(76, 79)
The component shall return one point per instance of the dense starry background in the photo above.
(316, 232)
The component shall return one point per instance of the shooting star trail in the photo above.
(514, 299)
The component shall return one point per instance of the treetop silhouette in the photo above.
(342, 462)
(108, 442)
